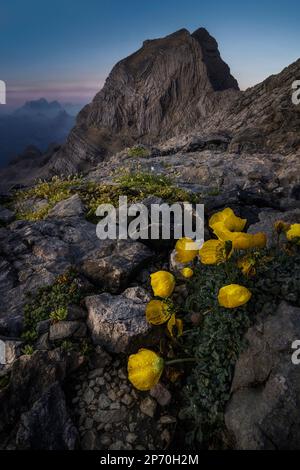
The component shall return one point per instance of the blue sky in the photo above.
(64, 49)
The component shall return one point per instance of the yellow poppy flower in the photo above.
(233, 296)
(230, 221)
(163, 284)
(186, 250)
(145, 369)
(247, 241)
(281, 227)
(157, 312)
(247, 265)
(224, 234)
(294, 233)
(187, 273)
(175, 323)
(215, 252)
(240, 240)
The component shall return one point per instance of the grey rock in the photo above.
(47, 426)
(6, 216)
(10, 349)
(103, 402)
(71, 207)
(43, 327)
(75, 313)
(31, 377)
(114, 265)
(89, 441)
(161, 394)
(131, 437)
(148, 407)
(67, 329)
(43, 343)
(88, 424)
(127, 400)
(263, 412)
(110, 416)
(89, 396)
(116, 321)
(96, 373)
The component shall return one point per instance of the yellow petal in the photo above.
(214, 252)
(163, 284)
(157, 312)
(233, 296)
(230, 221)
(294, 233)
(145, 369)
(187, 273)
(224, 234)
(186, 250)
(247, 241)
(175, 323)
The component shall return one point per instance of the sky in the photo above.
(64, 49)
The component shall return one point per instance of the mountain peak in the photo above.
(165, 87)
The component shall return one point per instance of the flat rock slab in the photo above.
(71, 207)
(115, 321)
(67, 329)
(264, 410)
(116, 263)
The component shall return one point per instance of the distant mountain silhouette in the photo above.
(36, 123)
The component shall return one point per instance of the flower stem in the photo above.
(179, 361)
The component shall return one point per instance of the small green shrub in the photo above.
(59, 314)
(51, 302)
(28, 350)
(67, 345)
(138, 152)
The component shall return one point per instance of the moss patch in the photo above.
(138, 152)
(52, 191)
(50, 302)
(136, 187)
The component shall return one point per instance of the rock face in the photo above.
(263, 412)
(47, 426)
(31, 380)
(162, 89)
(115, 321)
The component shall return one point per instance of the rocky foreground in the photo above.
(73, 306)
